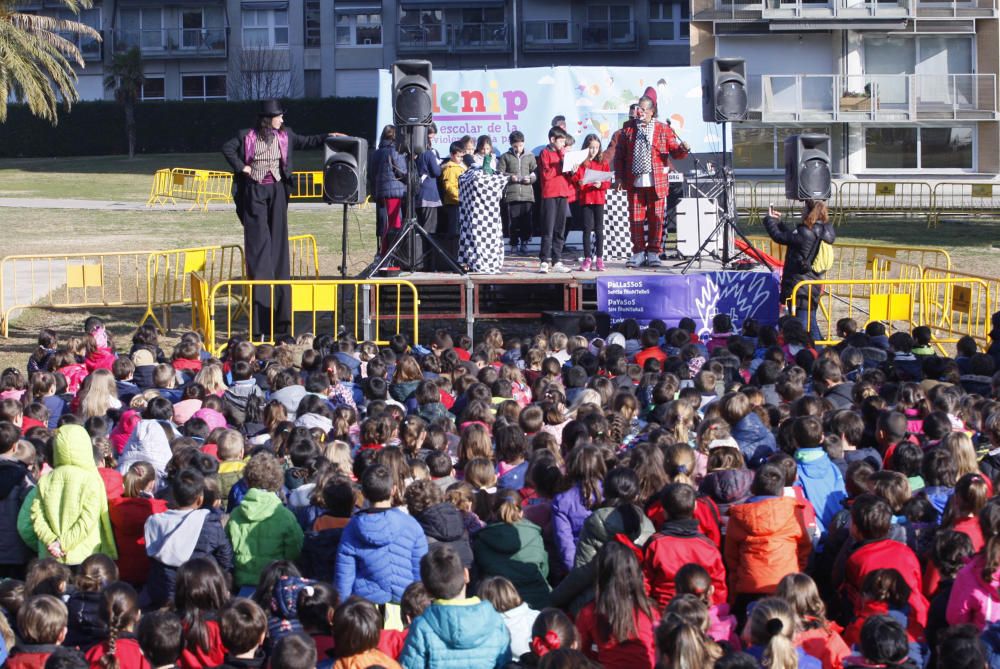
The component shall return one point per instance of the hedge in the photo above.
(98, 128)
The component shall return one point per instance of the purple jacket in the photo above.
(568, 516)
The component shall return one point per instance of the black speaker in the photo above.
(345, 170)
(568, 322)
(411, 92)
(807, 167)
(723, 90)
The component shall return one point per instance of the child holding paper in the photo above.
(592, 179)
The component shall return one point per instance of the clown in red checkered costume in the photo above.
(642, 161)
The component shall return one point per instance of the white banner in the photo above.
(593, 100)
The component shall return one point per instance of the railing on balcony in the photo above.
(454, 37)
(588, 35)
(878, 97)
(174, 42)
(737, 11)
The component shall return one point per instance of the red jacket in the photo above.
(651, 352)
(128, 520)
(199, 659)
(665, 145)
(102, 358)
(185, 365)
(112, 482)
(887, 554)
(30, 656)
(970, 528)
(679, 543)
(635, 653)
(127, 652)
(554, 182)
(825, 644)
(591, 193)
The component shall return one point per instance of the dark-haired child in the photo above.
(692, 579)
(119, 609)
(556, 189)
(951, 551)
(678, 543)
(820, 479)
(357, 625)
(84, 623)
(883, 643)
(975, 598)
(15, 485)
(161, 639)
(180, 535)
(454, 630)
(243, 626)
(884, 592)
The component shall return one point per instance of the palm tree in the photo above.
(125, 78)
(36, 61)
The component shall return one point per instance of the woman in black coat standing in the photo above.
(261, 158)
(803, 245)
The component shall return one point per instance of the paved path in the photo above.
(112, 205)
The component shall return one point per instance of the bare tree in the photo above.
(260, 73)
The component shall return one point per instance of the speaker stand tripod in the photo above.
(407, 234)
(727, 224)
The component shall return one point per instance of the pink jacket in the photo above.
(973, 601)
(722, 626)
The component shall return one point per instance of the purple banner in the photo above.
(701, 296)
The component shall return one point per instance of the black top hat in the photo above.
(270, 108)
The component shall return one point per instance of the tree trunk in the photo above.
(130, 128)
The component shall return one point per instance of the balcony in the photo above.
(823, 11)
(454, 37)
(175, 42)
(878, 98)
(588, 36)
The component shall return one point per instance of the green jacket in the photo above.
(24, 525)
(72, 504)
(516, 552)
(261, 530)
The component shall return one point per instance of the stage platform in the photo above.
(520, 292)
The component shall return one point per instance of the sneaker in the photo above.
(599, 265)
(652, 259)
(561, 268)
(637, 260)
(543, 268)
(585, 265)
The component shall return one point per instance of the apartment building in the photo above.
(217, 49)
(903, 87)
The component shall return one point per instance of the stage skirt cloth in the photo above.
(617, 238)
(480, 242)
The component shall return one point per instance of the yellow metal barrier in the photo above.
(72, 280)
(767, 192)
(307, 185)
(910, 302)
(977, 200)
(200, 320)
(364, 305)
(304, 256)
(167, 276)
(897, 198)
(960, 311)
(160, 191)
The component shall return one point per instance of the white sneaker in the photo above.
(652, 259)
(559, 267)
(637, 260)
(543, 268)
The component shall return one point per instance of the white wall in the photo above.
(357, 83)
(90, 87)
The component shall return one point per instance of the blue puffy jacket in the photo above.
(379, 555)
(822, 483)
(429, 166)
(461, 633)
(389, 170)
(755, 440)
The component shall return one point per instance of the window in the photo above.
(312, 15)
(546, 31)
(90, 48)
(669, 22)
(608, 24)
(359, 29)
(203, 28)
(265, 27)
(152, 89)
(142, 28)
(756, 148)
(421, 26)
(483, 25)
(313, 83)
(919, 148)
(203, 87)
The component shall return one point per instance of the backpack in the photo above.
(823, 259)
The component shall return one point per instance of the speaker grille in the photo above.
(341, 183)
(731, 101)
(413, 104)
(814, 180)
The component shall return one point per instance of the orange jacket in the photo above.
(765, 540)
(825, 644)
(366, 659)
